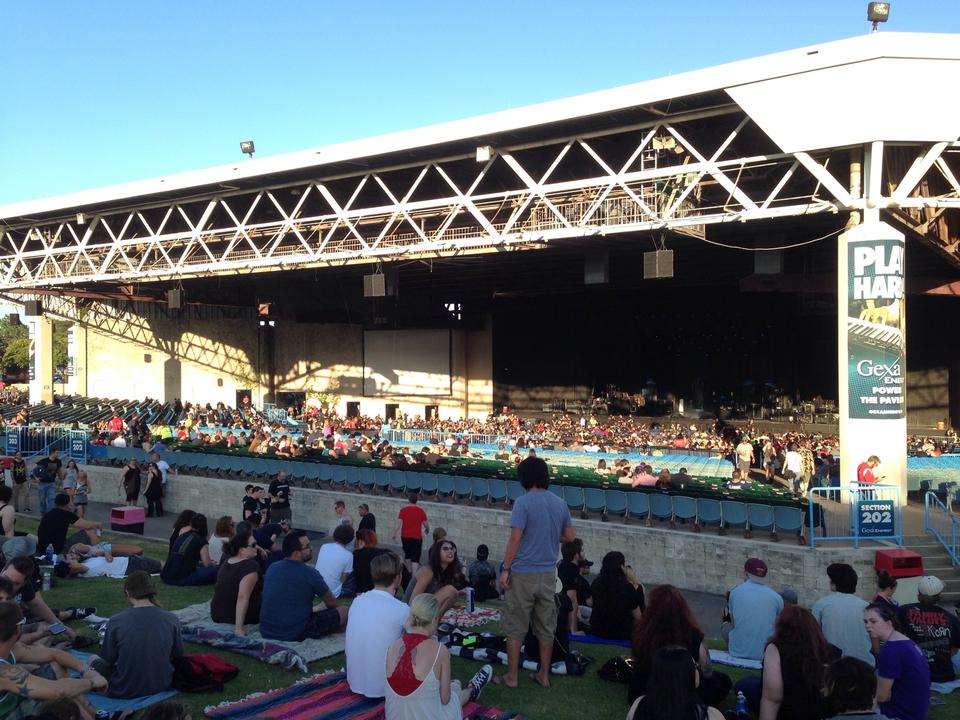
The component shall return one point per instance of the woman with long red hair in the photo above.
(668, 621)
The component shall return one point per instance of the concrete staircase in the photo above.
(936, 561)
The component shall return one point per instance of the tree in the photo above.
(16, 355)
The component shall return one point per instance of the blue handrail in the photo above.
(934, 513)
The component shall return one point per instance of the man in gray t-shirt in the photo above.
(539, 523)
(139, 643)
(840, 614)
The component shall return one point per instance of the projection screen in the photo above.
(406, 362)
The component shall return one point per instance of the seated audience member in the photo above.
(482, 576)
(239, 588)
(222, 533)
(181, 525)
(794, 660)
(57, 521)
(289, 587)
(139, 643)
(104, 565)
(439, 534)
(903, 673)
(442, 576)
(839, 611)
(751, 611)
(737, 481)
(668, 621)
(850, 689)
(618, 599)
(935, 630)
(23, 694)
(886, 587)
(188, 562)
(376, 622)
(335, 561)
(363, 556)
(13, 545)
(672, 693)
(418, 684)
(19, 572)
(642, 477)
(664, 480)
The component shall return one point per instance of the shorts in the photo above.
(278, 514)
(79, 499)
(321, 623)
(530, 601)
(412, 549)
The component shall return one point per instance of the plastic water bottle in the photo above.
(471, 607)
(740, 710)
(48, 553)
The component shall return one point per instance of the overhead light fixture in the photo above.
(246, 146)
(878, 12)
(484, 153)
(80, 219)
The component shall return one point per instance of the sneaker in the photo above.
(479, 681)
(81, 613)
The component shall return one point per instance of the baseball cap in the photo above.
(755, 567)
(930, 585)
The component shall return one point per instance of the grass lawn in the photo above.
(583, 697)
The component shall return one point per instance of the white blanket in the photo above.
(722, 657)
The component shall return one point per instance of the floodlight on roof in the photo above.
(246, 146)
(484, 153)
(878, 12)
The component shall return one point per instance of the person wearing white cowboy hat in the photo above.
(935, 630)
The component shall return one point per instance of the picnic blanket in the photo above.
(110, 704)
(199, 627)
(461, 618)
(945, 688)
(323, 697)
(722, 657)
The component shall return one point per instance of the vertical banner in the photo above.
(32, 335)
(71, 350)
(871, 353)
(875, 337)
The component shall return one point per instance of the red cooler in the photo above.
(127, 519)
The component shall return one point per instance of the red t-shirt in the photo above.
(865, 473)
(412, 518)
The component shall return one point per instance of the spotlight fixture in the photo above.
(484, 153)
(246, 146)
(878, 12)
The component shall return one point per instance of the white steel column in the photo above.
(77, 359)
(40, 359)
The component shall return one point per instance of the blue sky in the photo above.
(98, 93)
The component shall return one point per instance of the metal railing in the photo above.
(940, 522)
(856, 513)
(30, 440)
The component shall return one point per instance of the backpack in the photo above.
(202, 672)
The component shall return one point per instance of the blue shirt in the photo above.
(754, 608)
(542, 516)
(289, 588)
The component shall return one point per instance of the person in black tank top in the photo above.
(672, 690)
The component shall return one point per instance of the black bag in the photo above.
(617, 669)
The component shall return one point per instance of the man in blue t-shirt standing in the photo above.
(289, 588)
(539, 523)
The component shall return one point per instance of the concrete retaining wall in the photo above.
(705, 562)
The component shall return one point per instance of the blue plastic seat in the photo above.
(594, 500)
(616, 501)
(685, 508)
(557, 490)
(445, 485)
(498, 490)
(338, 474)
(381, 479)
(734, 514)
(760, 517)
(353, 477)
(661, 506)
(367, 479)
(398, 481)
(428, 484)
(573, 496)
(514, 490)
(709, 512)
(413, 481)
(789, 519)
(480, 489)
(638, 505)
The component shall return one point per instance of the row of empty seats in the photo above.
(586, 501)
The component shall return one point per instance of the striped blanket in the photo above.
(323, 697)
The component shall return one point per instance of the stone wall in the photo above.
(705, 562)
